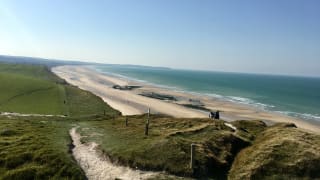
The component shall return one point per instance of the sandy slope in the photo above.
(130, 102)
(98, 168)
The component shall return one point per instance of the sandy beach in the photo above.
(138, 100)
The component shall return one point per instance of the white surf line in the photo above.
(97, 167)
(25, 115)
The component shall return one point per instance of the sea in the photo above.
(293, 96)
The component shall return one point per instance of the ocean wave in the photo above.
(214, 95)
(234, 99)
(248, 101)
(305, 116)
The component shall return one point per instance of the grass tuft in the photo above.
(282, 151)
(7, 132)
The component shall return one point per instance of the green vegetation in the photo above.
(253, 151)
(32, 71)
(30, 89)
(39, 147)
(34, 89)
(280, 152)
(27, 94)
(249, 129)
(168, 145)
(84, 103)
(36, 148)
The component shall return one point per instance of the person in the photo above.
(217, 115)
(211, 115)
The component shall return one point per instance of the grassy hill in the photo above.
(29, 89)
(281, 151)
(39, 147)
(25, 94)
(32, 71)
(32, 89)
(167, 148)
(36, 148)
(253, 151)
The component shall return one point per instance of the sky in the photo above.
(252, 36)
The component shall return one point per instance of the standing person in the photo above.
(211, 114)
(217, 115)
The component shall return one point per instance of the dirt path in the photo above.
(97, 167)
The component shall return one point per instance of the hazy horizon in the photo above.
(165, 67)
(273, 37)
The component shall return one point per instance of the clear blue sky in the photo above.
(259, 36)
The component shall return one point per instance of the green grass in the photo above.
(280, 152)
(25, 92)
(39, 147)
(84, 103)
(36, 148)
(168, 145)
(32, 89)
(32, 71)
(249, 129)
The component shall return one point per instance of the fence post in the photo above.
(148, 115)
(146, 131)
(126, 121)
(192, 153)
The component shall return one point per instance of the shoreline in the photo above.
(131, 102)
(310, 118)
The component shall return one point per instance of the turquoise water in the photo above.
(294, 96)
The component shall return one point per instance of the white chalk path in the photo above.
(97, 167)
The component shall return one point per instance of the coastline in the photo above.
(184, 105)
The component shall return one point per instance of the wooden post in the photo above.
(148, 115)
(192, 156)
(126, 121)
(146, 130)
